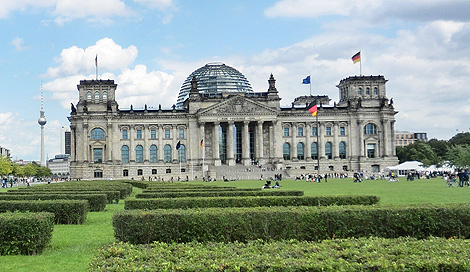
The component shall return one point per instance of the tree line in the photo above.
(455, 152)
(7, 167)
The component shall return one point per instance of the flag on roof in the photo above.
(357, 57)
(178, 145)
(202, 142)
(313, 110)
(306, 80)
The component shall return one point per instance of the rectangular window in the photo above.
(139, 172)
(153, 134)
(139, 134)
(371, 150)
(286, 132)
(342, 131)
(98, 174)
(125, 173)
(97, 155)
(314, 131)
(300, 131)
(328, 131)
(167, 133)
(154, 171)
(124, 134)
(181, 133)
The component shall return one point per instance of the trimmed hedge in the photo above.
(284, 223)
(96, 202)
(25, 233)
(272, 192)
(228, 202)
(373, 254)
(124, 188)
(65, 211)
(111, 196)
(199, 189)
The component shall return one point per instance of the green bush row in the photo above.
(123, 192)
(284, 223)
(65, 211)
(111, 196)
(227, 202)
(96, 202)
(372, 254)
(125, 189)
(25, 233)
(270, 192)
(199, 189)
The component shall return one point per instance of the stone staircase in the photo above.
(242, 172)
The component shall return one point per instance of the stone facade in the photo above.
(233, 130)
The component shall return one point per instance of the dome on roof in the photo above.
(215, 78)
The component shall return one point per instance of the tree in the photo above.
(462, 138)
(439, 147)
(459, 156)
(29, 170)
(418, 151)
(17, 170)
(5, 166)
(43, 171)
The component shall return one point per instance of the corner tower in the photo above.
(97, 96)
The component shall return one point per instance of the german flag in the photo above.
(202, 142)
(357, 57)
(313, 110)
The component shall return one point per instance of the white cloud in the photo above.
(111, 56)
(18, 44)
(160, 4)
(67, 10)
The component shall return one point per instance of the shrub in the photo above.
(364, 254)
(226, 202)
(25, 233)
(283, 223)
(65, 211)
(111, 196)
(96, 202)
(220, 193)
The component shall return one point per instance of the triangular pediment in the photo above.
(238, 105)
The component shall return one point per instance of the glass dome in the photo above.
(215, 78)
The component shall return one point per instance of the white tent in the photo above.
(409, 166)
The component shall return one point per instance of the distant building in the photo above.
(65, 141)
(4, 151)
(60, 165)
(404, 138)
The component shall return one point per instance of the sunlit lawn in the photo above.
(73, 246)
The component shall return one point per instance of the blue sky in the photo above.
(149, 47)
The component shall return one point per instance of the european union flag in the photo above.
(306, 80)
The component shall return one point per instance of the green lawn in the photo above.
(73, 246)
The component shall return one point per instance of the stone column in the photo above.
(392, 134)
(86, 148)
(278, 142)
(386, 138)
(230, 142)
(132, 143)
(259, 139)
(160, 143)
(109, 141)
(145, 136)
(202, 134)
(335, 146)
(245, 144)
(294, 142)
(360, 129)
(215, 149)
(308, 143)
(174, 142)
(321, 140)
(270, 156)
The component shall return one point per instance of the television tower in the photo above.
(42, 122)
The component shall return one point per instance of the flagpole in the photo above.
(96, 64)
(310, 84)
(318, 146)
(360, 64)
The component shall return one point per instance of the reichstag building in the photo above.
(220, 127)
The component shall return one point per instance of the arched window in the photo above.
(97, 96)
(328, 148)
(167, 153)
(153, 153)
(139, 154)
(125, 154)
(367, 90)
(105, 95)
(182, 153)
(342, 150)
(359, 91)
(370, 129)
(286, 151)
(88, 96)
(97, 134)
(300, 151)
(314, 149)
(376, 91)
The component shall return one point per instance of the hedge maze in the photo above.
(27, 215)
